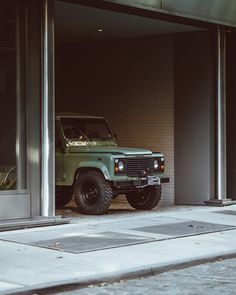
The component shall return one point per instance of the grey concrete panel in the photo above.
(151, 4)
(229, 212)
(231, 110)
(194, 124)
(14, 206)
(217, 11)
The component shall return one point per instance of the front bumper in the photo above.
(137, 183)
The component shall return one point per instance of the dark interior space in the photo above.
(8, 82)
(194, 119)
(231, 110)
(122, 67)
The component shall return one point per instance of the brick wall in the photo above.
(130, 82)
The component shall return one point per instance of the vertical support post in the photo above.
(20, 99)
(33, 100)
(220, 122)
(48, 111)
(221, 116)
(19, 154)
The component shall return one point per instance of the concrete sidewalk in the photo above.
(122, 244)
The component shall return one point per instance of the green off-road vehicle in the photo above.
(92, 168)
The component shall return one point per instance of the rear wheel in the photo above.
(93, 194)
(63, 196)
(145, 200)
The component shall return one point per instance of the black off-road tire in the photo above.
(145, 200)
(63, 196)
(93, 193)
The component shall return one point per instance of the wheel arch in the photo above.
(84, 169)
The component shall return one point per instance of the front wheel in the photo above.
(93, 193)
(146, 199)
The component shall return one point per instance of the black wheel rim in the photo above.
(144, 197)
(89, 193)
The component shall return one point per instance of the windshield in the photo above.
(81, 131)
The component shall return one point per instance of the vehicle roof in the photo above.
(76, 115)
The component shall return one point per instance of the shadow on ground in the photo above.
(119, 205)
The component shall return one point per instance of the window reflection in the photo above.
(7, 177)
(8, 94)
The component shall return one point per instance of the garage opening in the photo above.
(148, 77)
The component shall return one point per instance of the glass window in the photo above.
(11, 99)
(83, 131)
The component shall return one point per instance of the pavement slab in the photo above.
(230, 212)
(117, 247)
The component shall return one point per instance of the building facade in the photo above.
(181, 93)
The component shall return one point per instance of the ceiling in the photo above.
(75, 23)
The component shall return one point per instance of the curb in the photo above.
(75, 284)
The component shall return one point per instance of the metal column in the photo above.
(47, 118)
(220, 123)
(221, 117)
(20, 97)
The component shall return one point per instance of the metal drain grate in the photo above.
(184, 228)
(91, 242)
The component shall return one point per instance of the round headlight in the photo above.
(155, 164)
(121, 165)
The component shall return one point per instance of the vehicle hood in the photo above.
(111, 150)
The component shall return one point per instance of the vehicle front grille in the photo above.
(137, 167)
